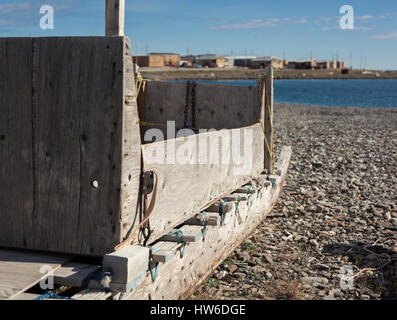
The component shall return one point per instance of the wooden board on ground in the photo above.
(185, 188)
(77, 275)
(179, 277)
(88, 294)
(21, 270)
(25, 296)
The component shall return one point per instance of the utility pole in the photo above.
(350, 60)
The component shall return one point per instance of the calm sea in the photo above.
(350, 93)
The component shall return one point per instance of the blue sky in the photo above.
(294, 28)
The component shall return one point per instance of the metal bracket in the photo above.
(148, 182)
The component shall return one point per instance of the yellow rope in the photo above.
(151, 124)
(264, 134)
(139, 83)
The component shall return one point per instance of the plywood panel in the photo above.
(16, 139)
(79, 132)
(164, 101)
(184, 189)
(216, 106)
(70, 144)
(226, 106)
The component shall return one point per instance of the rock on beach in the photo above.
(333, 233)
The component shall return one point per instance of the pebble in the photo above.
(337, 213)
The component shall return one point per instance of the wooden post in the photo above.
(115, 17)
(266, 115)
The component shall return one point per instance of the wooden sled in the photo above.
(81, 176)
(177, 277)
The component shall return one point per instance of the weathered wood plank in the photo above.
(216, 106)
(226, 207)
(130, 194)
(126, 264)
(24, 296)
(226, 106)
(268, 118)
(76, 275)
(87, 85)
(17, 183)
(164, 101)
(115, 15)
(208, 218)
(179, 197)
(246, 190)
(180, 277)
(237, 197)
(88, 294)
(80, 83)
(21, 270)
(164, 251)
(188, 234)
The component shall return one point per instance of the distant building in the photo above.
(332, 65)
(303, 64)
(170, 59)
(263, 62)
(157, 60)
(229, 62)
(243, 61)
(149, 61)
(211, 61)
(324, 65)
(191, 58)
(276, 63)
(340, 65)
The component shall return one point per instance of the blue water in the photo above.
(350, 93)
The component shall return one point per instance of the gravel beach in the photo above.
(333, 233)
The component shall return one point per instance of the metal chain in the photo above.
(194, 104)
(187, 104)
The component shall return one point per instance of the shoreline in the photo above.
(168, 73)
(334, 107)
